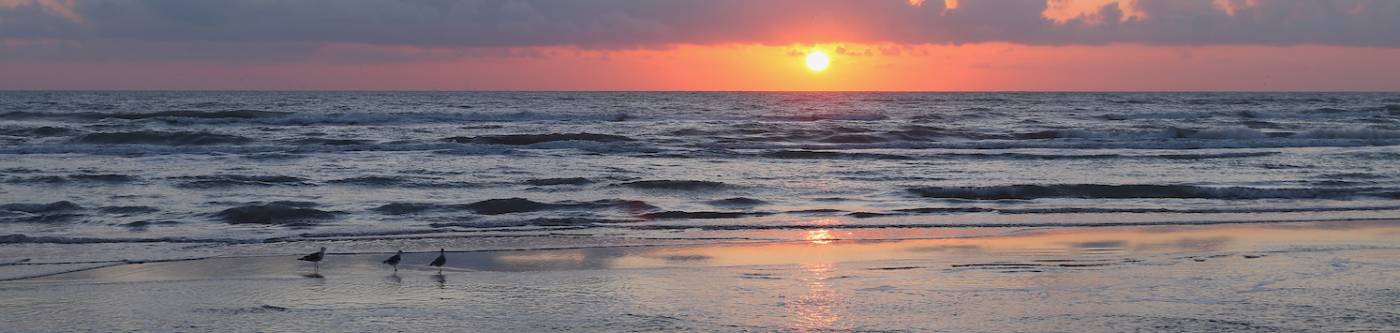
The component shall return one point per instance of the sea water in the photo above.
(134, 172)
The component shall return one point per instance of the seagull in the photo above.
(315, 258)
(441, 259)
(394, 261)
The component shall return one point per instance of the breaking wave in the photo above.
(275, 213)
(53, 212)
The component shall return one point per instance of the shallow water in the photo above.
(209, 173)
(1325, 276)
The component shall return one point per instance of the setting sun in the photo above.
(817, 61)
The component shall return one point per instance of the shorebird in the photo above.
(394, 261)
(315, 258)
(441, 259)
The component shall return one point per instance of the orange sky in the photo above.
(904, 45)
(883, 67)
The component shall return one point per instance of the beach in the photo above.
(699, 211)
(533, 166)
(1308, 276)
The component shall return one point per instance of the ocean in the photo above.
(159, 175)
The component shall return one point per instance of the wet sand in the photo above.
(1325, 276)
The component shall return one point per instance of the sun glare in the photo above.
(817, 61)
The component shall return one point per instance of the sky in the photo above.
(873, 45)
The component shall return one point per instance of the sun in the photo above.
(817, 61)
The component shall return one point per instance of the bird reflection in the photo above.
(441, 280)
(314, 276)
(394, 278)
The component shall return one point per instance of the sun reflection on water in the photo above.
(819, 308)
(822, 236)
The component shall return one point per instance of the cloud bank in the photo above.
(611, 24)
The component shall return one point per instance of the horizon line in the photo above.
(693, 91)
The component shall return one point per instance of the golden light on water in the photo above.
(819, 309)
(819, 236)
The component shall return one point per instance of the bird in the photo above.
(394, 261)
(315, 258)
(441, 259)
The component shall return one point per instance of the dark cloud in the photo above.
(647, 23)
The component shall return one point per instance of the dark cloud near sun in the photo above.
(202, 25)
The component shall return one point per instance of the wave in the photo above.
(1227, 133)
(996, 144)
(535, 222)
(530, 139)
(558, 181)
(330, 142)
(924, 137)
(518, 205)
(681, 185)
(1124, 210)
(1224, 133)
(32, 208)
(852, 116)
(26, 239)
(260, 151)
(54, 212)
(1101, 191)
(919, 133)
(227, 114)
(1017, 211)
(216, 181)
(37, 132)
(737, 202)
(237, 114)
(315, 118)
(512, 205)
(853, 138)
(817, 154)
(1349, 133)
(1029, 156)
(128, 210)
(794, 146)
(1353, 175)
(506, 206)
(673, 215)
(399, 181)
(290, 213)
(103, 177)
(1087, 210)
(1051, 224)
(161, 138)
(144, 224)
(406, 208)
(88, 178)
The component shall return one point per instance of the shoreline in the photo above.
(814, 235)
(1239, 277)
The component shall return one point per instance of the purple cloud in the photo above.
(215, 27)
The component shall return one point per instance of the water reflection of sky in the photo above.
(815, 246)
